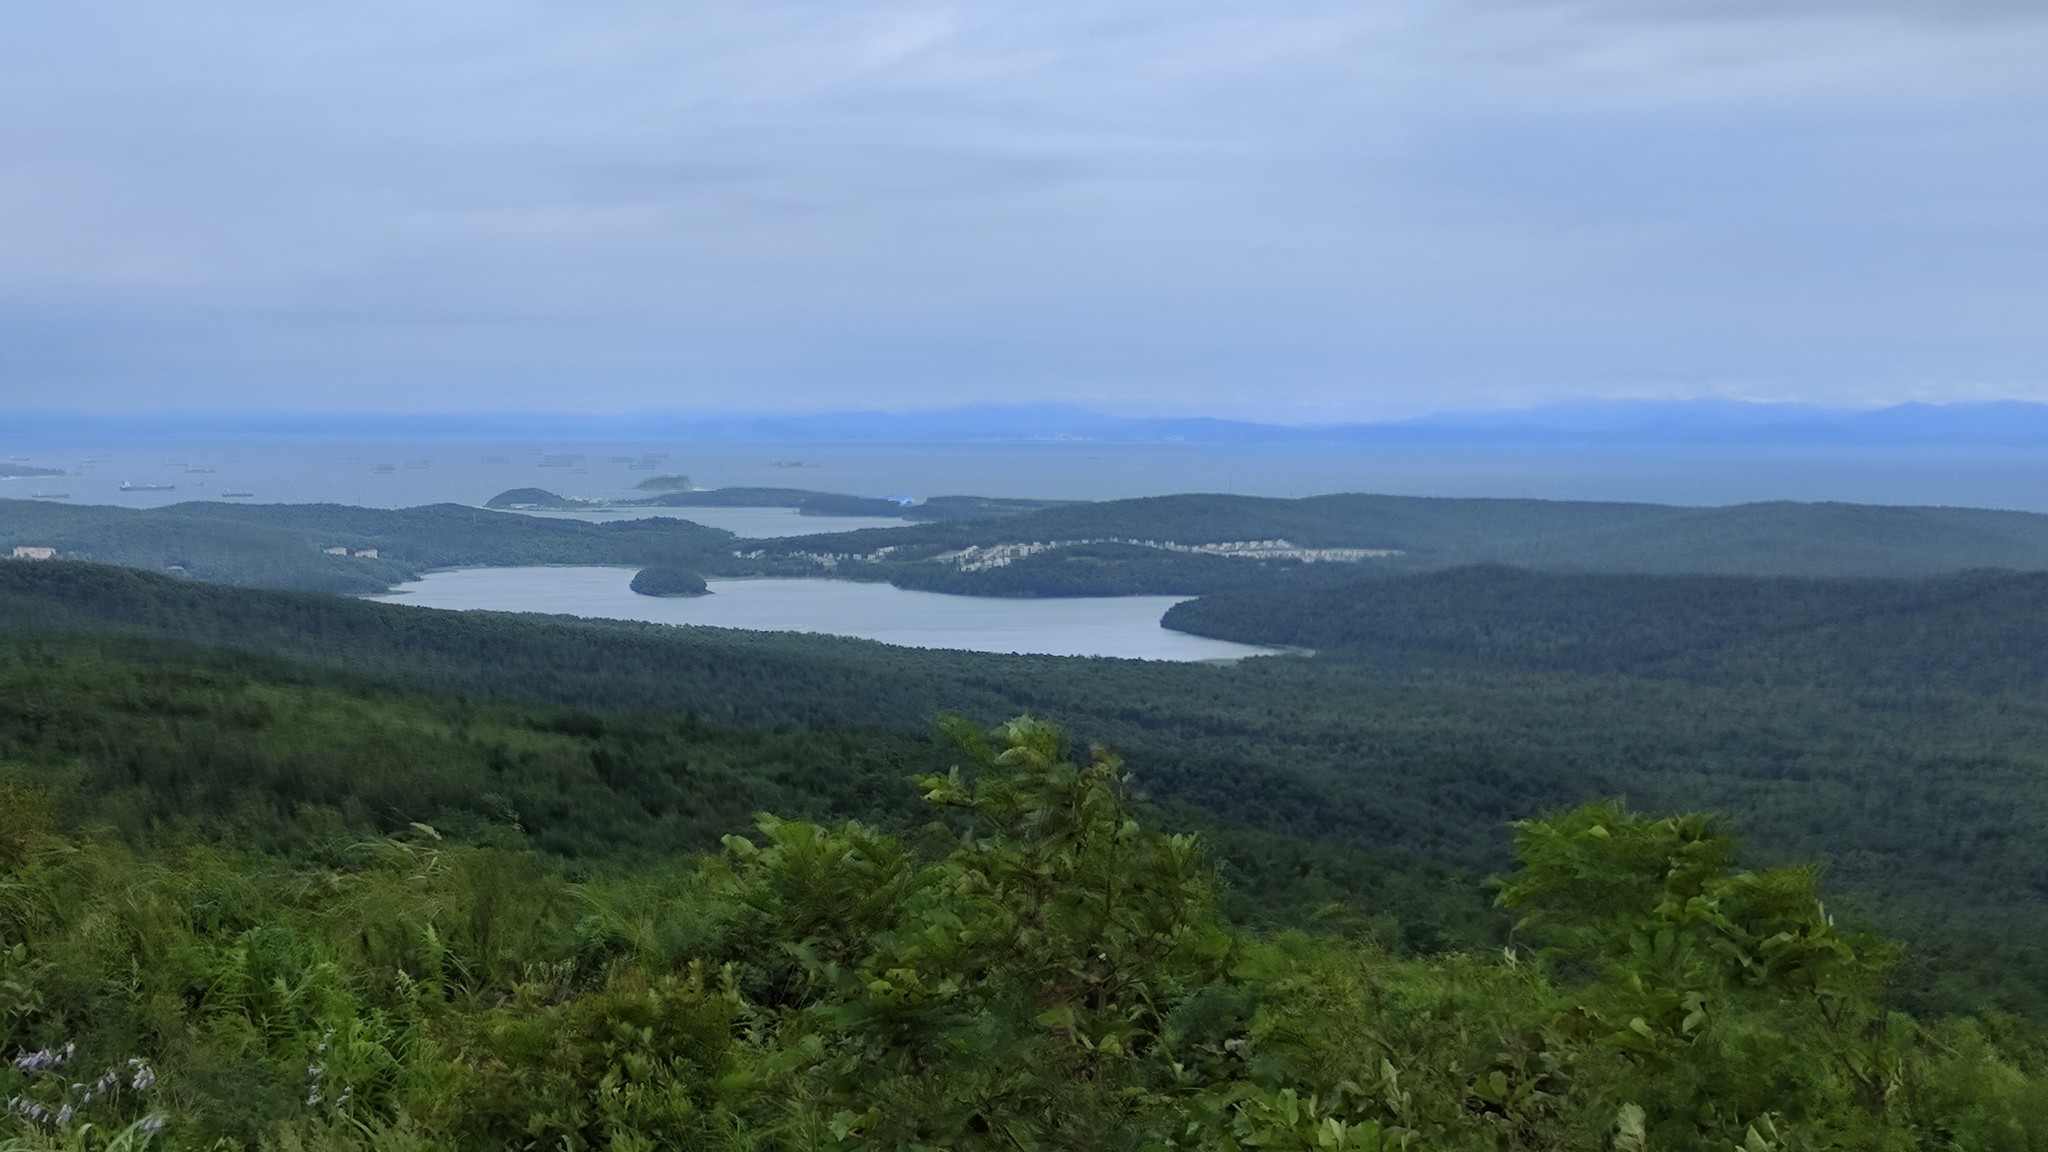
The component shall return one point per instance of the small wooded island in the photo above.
(669, 580)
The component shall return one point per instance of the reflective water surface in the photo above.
(1126, 626)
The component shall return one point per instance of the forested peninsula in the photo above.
(1177, 545)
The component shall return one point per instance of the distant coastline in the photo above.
(2013, 423)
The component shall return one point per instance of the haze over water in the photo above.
(401, 473)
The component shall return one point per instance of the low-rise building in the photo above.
(34, 552)
(367, 553)
(335, 551)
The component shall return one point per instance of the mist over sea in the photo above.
(390, 474)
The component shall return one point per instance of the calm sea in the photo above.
(408, 473)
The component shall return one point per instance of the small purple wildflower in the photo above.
(38, 1060)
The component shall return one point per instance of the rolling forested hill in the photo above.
(1039, 967)
(285, 545)
(1920, 781)
(1107, 548)
(1986, 630)
(1428, 533)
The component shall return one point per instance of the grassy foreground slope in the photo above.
(1926, 794)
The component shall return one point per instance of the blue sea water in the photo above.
(404, 473)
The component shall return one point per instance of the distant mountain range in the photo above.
(1698, 422)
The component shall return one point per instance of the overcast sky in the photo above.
(1288, 210)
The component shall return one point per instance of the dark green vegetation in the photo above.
(147, 739)
(1428, 533)
(1984, 631)
(284, 545)
(669, 580)
(81, 625)
(1918, 776)
(664, 484)
(283, 869)
(1036, 970)
(534, 498)
(1102, 548)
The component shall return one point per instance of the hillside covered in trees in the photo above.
(1987, 630)
(1036, 968)
(1186, 545)
(1110, 547)
(293, 545)
(1318, 778)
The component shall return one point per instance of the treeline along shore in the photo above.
(1898, 742)
(1181, 545)
(285, 869)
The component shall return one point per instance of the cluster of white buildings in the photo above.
(823, 559)
(34, 552)
(980, 557)
(360, 553)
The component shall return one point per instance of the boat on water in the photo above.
(384, 469)
(49, 495)
(233, 495)
(127, 487)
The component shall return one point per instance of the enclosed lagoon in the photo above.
(1122, 626)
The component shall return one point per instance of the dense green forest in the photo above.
(1035, 968)
(1428, 532)
(286, 545)
(1100, 545)
(289, 870)
(668, 580)
(1986, 631)
(1914, 772)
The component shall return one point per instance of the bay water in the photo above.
(1122, 626)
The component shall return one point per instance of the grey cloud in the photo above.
(1330, 206)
